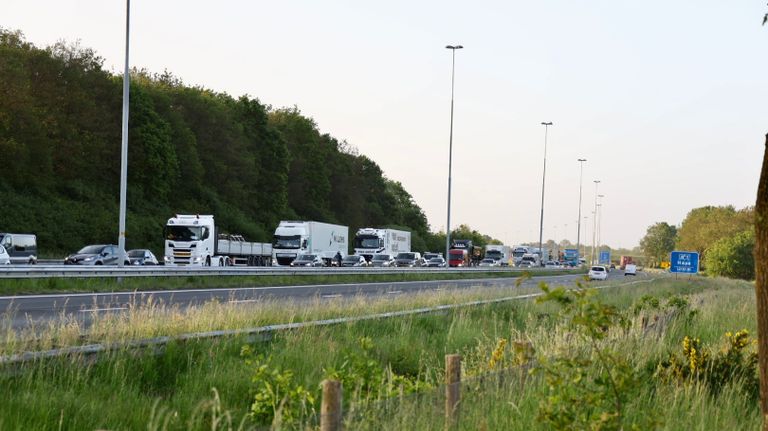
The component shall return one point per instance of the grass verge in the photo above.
(219, 384)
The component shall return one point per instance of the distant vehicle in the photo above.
(409, 260)
(489, 261)
(551, 264)
(529, 260)
(458, 258)
(293, 238)
(518, 253)
(624, 261)
(101, 254)
(500, 253)
(193, 240)
(429, 256)
(383, 260)
(5, 259)
(436, 262)
(474, 253)
(354, 260)
(597, 273)
(630, 269)
(142, 256)
(371, 241)
(313, 260)
(21, 247)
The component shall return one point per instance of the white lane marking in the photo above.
(395, 292)
(96, 310)
(300, 286)
(338, 295)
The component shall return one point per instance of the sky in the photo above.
(667, 101)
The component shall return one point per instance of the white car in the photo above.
(630, 269)
(5, 259)
(597, 273)
(488, 262)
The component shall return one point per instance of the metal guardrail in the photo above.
(64, 271)
(92, 349)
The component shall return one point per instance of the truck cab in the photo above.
(190, 240)
(290, 240)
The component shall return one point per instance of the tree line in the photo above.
(191, 150)
(723, 236)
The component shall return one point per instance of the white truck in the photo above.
(518, 252)
(530, 260)
(499, 253)
(371, 241)
(293, 238)
(193, 240)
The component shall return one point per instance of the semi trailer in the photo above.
(293, 238)
(371, 241)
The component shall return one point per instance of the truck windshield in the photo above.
(184, 233)
(494, 254)
(457, 255)
(367, 241)
(290, 241)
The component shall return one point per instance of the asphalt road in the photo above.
(22, 311)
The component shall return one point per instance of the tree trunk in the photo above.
(761, 282)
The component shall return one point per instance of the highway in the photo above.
(23, 310)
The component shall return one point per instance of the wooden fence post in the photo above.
(452, 389)
(330, 408)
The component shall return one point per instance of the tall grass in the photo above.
(207, 384)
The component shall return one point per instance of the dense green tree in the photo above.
(704, 226)
(658, 242)
(733, 257)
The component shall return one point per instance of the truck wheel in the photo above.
(208, 261)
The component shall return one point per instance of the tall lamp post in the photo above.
(124, 145)
(543, 181)
(599, 221)
(578, 229)
(453, 49)
(594, 225)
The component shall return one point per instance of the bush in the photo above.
(733, 256)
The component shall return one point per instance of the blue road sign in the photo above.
(605, 257)
(685, 262)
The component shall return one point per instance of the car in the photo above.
(488, 262)
(100, 254)
(630, 269)
(21, 247)
(354, 260)
(525, 264)
(142, 256)
(551, 264)
(436, 262)
(597, 272)
(429, 256)
(383, 260)
(5, 258)
(409, 260)
(308, 260)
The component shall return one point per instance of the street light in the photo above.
(124, 144)
(599, 220)
(581, 177)
(594, 224)
(453, 49)
(543, 180)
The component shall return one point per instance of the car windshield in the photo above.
(409, 256)
(529, 259)
(136, 253)
(430, 256)
(291, 241)
(488, 260)
(436, 259)
(91, 249)
(352, 259)
(306, 257)
(381, 257)
(598, 269)
(367, 241)
(184, 233)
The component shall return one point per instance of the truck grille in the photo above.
(285, 260)
(182, 256)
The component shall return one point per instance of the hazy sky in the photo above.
(668, 100)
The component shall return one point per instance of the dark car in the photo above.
(21, 247)
(142, 256)
(354, 260)
(101, 254)
(383, 260)
(436, 262)
(409, 260)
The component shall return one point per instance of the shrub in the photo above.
(733, 256)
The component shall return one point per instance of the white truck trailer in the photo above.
(293, 238)
(193, 240)
(500, 253)
(371, 241)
